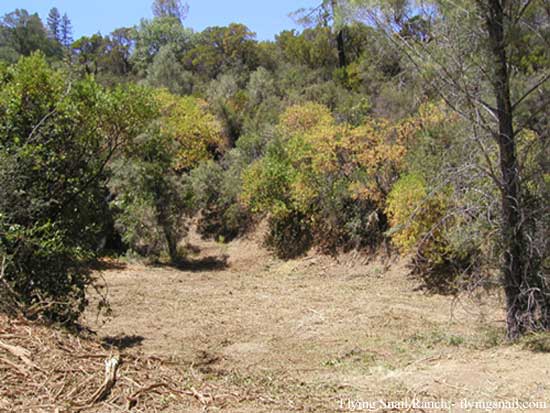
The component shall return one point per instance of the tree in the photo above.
(323, 14)
(339, 35)
(526, 291)
(166, 71)
(472, 63)
(54, 24)
(170, 8)
(22, 33)
(220, 49)
(196, 133)
(152, 200)
(105, 56)
(119, 47)
(66, 31)
(151, 35)
(89, 52)
(313, 47)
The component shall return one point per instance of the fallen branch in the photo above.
(133, 399)
(19, 369)
(202, 398)
(111, 367)
(22, 353)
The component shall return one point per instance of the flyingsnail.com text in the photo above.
(441, 405)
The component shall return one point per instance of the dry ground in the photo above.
(239, 331)
(313, 333)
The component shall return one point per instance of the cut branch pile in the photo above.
(48, 370)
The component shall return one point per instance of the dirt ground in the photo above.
(319, 334)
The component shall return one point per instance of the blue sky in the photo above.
(265, 17)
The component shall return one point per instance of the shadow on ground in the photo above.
(107, 264)
(122, 341)
(203, 264)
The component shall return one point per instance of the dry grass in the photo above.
(240, 331)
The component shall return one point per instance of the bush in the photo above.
(413, 214)
(423, 223)
(334, 174)
(218, 185)
(433, 211)
(289, 234)
(56, 139)
(216, 188)
(347, 223)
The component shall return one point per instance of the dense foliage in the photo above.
(324, 182)
(56, 138)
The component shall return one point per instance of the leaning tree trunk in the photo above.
(526, 302)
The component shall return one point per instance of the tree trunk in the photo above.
(526, 302)
(167, 225)
(341, 49)
(339, 36)
(172, 244)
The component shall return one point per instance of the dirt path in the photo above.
(317, 335)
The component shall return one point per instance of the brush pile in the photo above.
(49, 370)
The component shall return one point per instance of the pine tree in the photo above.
(54, 24)
(66, 31)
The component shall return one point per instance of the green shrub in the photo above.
(216, 188)
(289, 235)
(56, 139)
(151, 199)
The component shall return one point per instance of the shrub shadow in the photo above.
(122, 341)
(105, 264)
(204, 264)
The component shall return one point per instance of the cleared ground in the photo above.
(256, 334)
